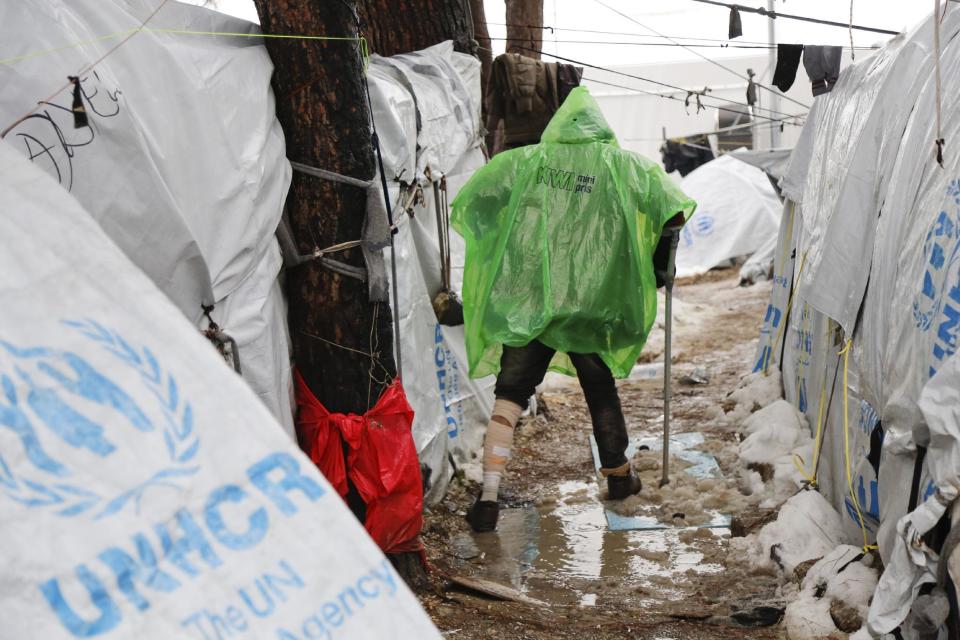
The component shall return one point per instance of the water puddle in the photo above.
(563, 552)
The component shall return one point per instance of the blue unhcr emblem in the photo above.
(937, 305)
(47, 388)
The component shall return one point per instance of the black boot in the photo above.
(482, 516)
(620, 487)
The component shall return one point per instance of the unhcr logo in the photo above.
(937, 306)
(564, 180)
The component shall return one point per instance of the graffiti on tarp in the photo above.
(49, 137)
(937, 306)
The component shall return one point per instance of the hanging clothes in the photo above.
(686, 155)
(568, 79)
(823, 67)
(788, 62)
(525, 93)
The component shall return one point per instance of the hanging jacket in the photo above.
(521, 93)
(559, 240)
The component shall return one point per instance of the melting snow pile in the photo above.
(687, 500)
(834, 596)
(754, 392)
(806, 528)
(776, 439)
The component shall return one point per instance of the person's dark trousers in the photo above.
(523, 368)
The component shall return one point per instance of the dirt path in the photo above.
(553, 543)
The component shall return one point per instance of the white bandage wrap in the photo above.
(497, 444)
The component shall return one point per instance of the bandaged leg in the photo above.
(496, 445)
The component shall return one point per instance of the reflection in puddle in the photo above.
(563, 552)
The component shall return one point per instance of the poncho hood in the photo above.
(579, 120)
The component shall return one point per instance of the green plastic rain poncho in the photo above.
(560, 238)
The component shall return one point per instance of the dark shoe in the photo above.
(482, 516)
(620, 487)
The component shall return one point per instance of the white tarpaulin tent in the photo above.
(871, 255)
(737, 212)
(439, 89)
(144, 491)
(183, 162)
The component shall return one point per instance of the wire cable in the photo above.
(765, 47)
(771, 121)
(662, 84)
(84, 70)
(700, 55)
(773, 15)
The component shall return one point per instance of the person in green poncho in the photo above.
(560, 243)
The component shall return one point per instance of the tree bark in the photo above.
(401, 26)
(525, 27)
(322, 106)
(484, 46)
(342, 343)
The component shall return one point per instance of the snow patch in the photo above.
(839, 581)
(755, 391)
(774, 435)
(806, 528)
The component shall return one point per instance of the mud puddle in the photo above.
(562, 551)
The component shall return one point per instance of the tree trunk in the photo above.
(322, 106)
(484, 49)
(525, 27)
(401, 26)
(343, 343)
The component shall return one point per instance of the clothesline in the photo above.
(663, 84)
(769, 121)
(710, 60)
(738, 45)
(773, 15)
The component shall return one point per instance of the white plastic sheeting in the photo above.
(182, 164)
(737, 212)
(439, 89)
(144, 491)
(881, 236)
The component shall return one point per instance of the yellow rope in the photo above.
(846, 447)
(798, 461)
(783, 325)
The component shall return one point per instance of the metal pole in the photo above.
(772, 64)
(667, 351)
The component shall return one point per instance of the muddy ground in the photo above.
(553, 544)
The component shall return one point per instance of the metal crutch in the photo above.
(674, 235)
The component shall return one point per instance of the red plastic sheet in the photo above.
(381, 461)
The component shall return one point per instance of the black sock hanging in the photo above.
(79, 112)
(736, 26)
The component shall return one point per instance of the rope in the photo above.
(853, 56)
(798, 461)
(793, 291)
(732, 45)
(773, 15)
(364, 46)
(85, 69)
(700, 55)
(846, 446)
(939, 142)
